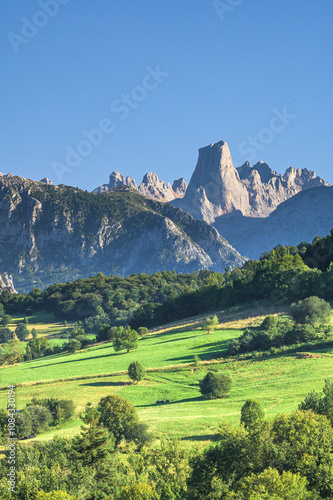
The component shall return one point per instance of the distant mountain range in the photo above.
(58, 233)
(254, 208)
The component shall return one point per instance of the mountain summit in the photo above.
(218, 188)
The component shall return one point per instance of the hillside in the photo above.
(51, 234)
(301, 218)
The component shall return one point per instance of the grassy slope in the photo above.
(279, 383)
(157, 350)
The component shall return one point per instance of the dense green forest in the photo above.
(282, 276)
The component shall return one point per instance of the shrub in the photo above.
(312, 310)
(136, 371)
(215, 385)
(119, 416)
(142, 331)
(252, 412)
(72, 346)
(5, 335)
(21, 331)
(211, 324)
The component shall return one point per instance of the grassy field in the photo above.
(45, 323)
(157, 350)
(279, 383)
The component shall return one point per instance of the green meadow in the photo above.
(279, 383)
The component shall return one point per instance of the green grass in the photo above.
(280, 384)
(157, 350)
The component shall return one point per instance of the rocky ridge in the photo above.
(218, 188)
(151, 186)
(58, 233)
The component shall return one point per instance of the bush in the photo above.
(300, 333)
(72, 346)
(211, 324)
(252, 412)
(136, 371)
(21, 331)
(312, 310)
(61, 410)
(5, 335)
(119, 416)
(142, 331)
(215, 385)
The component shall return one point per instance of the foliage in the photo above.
(54, 495)
(274, 333)
(125, 339)
(95, 443)
(142, 331)
(38, 347)
(136, 371)
(5, 335)
(215, 385)
(311, 310)
(5, 320)
(270, 484)
(252, 413)
(320, 403)
(138, 491)
(72, 346)
(11, 352)
(119, 416)
(211, 324)
(300, 443)
(61, 410)
(21, 331)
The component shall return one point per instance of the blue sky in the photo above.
(160, 79)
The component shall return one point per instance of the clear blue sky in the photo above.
(229, 74)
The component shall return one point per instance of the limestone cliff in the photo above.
(58, 233)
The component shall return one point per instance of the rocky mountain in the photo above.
(58, 233)
(301, 218)
(151, 186)
(217, 188)
(6, 283)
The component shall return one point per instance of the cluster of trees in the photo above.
(37, 416)
(305, 324)
(289, 457)
(111, 300)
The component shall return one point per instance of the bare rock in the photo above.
(6, 283)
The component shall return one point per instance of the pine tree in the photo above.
(95, 443)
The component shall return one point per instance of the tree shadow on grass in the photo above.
(174, 340)
(204, 437)
(78, 360)
(212, 350)
(105, 384)
(187, 400)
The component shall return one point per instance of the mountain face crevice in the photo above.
(59, 233)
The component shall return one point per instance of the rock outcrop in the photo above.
(218, 188)
(6, 283)
(151, 186)
(45, 180)
(55, 234)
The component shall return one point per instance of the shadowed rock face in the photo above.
(300, 218)
(218, 188)
(151, 186)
